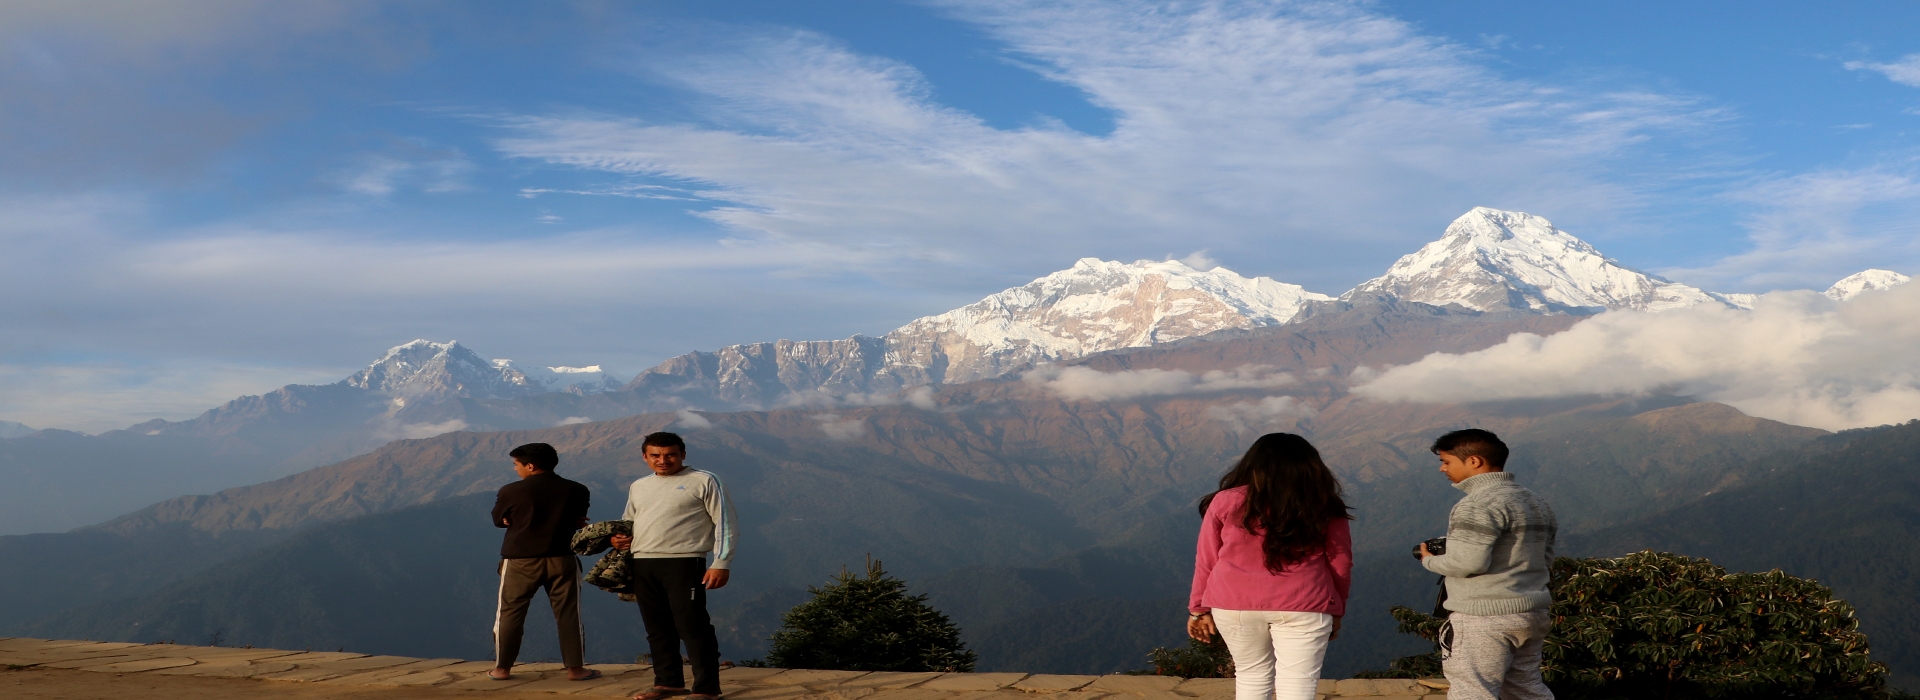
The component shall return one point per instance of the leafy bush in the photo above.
(1662, 625)
(1196, 660)
(868, 624)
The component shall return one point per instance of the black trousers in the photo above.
(673, 604)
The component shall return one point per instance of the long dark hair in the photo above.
(1291, 496)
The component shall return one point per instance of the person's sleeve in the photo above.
(1340, 555)
(1205, 554)
(583, 504)
(1471, 531)
(501, 507)
(632, 509)
(720, 509)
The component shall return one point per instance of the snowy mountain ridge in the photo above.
(1858, 283)
(1487, 260)
(1490, 259)
(1093, 306)
(423, 369)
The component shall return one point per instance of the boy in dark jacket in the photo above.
(540, 512)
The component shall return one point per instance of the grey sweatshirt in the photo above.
(1499, 548)
(684, 515)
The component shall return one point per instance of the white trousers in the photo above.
(1276, 654)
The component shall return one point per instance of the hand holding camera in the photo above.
(1435, 547)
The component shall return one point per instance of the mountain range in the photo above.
(1487, 260)
(1032, 456)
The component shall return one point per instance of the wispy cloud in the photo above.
(1798, 357)
(417, 167)
(1804, 227)
(839, 428)
(1248, 127)
(1267, 413)
(1088, 384)
(86, 283)
(1905, 71)
(100, 396)
(688, 420)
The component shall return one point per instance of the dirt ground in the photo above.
(64, 684)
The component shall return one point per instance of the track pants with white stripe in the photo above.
(519, 579)
(673, 604)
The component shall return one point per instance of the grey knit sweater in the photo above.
(1499, 548)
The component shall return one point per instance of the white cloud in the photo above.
(1905, 71)
(574, 420)
(1246, 416)
(1248, 129)
(411, 166)
(419, 431)
(920, 397)
(99, 396)
(1798, 357)
(841, 428)
(688, 420)
(1808, 230)
(90, 278)
(1199, 260)
(1088, 384)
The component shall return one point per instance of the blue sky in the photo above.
(203, 199)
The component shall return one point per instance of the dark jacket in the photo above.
(611, 574)
(540, 514)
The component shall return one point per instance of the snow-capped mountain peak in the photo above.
(1094, 306)
(1492, 259)
(592, 379)
(1866, 281)
(426, 369)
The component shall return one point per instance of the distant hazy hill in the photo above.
(1844, 510)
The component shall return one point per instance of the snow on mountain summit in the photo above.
(573, 380)
(1865, 281)
(1094, 306)
(426, 369)
(1492, 259)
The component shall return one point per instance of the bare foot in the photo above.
(657, 692)
(582, 674)
(500, 674)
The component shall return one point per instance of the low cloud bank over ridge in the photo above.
(1797, 357)
(1088, 384)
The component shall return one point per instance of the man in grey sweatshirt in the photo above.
(1497, 563)
(679, 515)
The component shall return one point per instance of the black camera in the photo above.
(1436, 546)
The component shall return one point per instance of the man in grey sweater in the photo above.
(1497, 562)
(679, 515)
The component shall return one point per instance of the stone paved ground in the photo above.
(318, 671)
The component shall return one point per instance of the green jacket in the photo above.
(611, 573)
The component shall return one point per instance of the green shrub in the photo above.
(1195, 660)
(868, 624)
(1661, 625)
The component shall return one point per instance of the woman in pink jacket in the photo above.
(1273, 567)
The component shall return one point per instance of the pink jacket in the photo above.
(1230, 569)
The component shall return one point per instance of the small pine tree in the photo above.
(868, 624)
